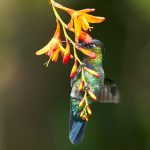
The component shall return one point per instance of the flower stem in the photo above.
(64, 27)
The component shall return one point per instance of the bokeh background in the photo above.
(34, 100)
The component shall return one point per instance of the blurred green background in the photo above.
(34, 100)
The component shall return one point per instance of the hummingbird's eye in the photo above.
(89, 46)
(94, 45)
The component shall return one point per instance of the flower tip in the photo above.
(81, 102)
(82, 113)
(92, 95)
(96, 74)
(36, 53)
(103, 18)
(39, 52)
(84, 37)
(81, 86)
(66, 58)
(74, 69)
(89, 110)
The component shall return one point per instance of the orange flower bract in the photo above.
(66, 54)
(92, 95)
(80, 19)
(81, 102)
(81, 85)
(89, 110)
(92, 72)
(79, 24)
(74, 69)
(86, 52)
(84, 37)
(52, 49)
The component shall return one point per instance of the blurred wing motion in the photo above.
(109, 92)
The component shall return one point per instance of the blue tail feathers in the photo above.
(76, 131)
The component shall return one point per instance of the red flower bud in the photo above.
(74, 69)
(84, 37)
(81, 86)
(66, 56)
(62, 49)
(81, 102)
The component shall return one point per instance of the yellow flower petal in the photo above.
(57, 32)
(45, 49)
(55, 55)
(86, 10)
(77, 26)
(70, 24)
(53, 44)
(85, 24)
(81, 102)
(82, 113)
(93, 19)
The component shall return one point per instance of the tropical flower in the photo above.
(52, 49)
(84, 37)
(74, 69)
(94, 73)
(66, 52)
(79, 24)
(92, 95)
(80, 19)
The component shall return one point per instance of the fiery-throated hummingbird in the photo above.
(103, 88)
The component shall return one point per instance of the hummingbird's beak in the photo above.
(79, 45)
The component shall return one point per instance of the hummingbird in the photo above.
(104, 89)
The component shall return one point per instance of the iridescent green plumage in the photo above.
(77, 124)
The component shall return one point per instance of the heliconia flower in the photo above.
(74, 69)
(84, 37)
(92, 72)
(89, 110)
(82, 113)
(81, 102)
(52, 49)
(81, 86)
(80, 19)
(92, 95)
(86, 52)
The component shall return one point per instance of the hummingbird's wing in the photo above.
(109, 92)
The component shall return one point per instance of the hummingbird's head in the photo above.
(95, 46)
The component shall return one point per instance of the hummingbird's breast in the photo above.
(95, 82)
